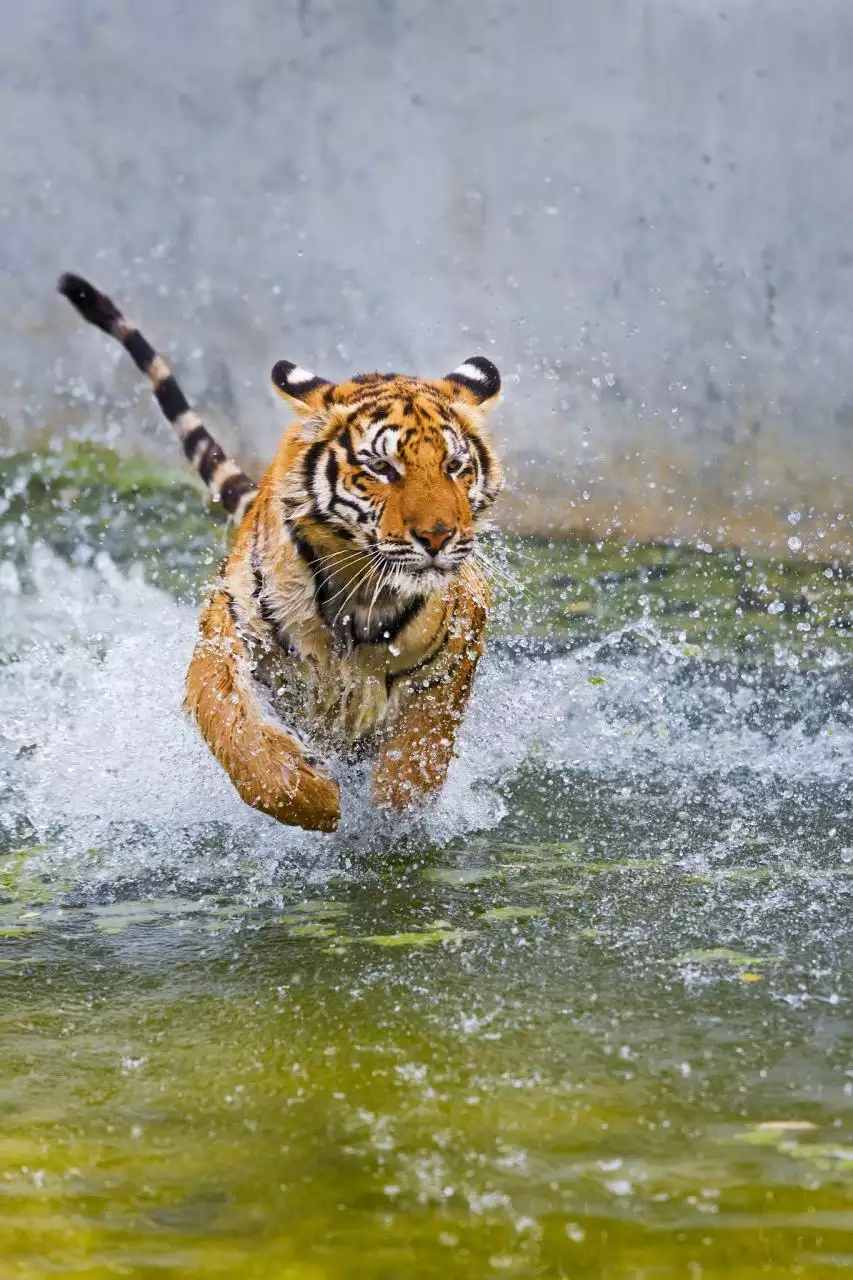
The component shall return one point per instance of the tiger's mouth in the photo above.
(404, 575)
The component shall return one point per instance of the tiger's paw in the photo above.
(290, 788)
(318, 801)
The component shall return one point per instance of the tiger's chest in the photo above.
(339, 701)
(345, 698)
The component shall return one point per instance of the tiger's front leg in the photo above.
(270, 769)
(416, 756)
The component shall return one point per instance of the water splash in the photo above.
(100, 764)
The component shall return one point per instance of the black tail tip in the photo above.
(88, 302)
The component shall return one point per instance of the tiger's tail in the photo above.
(223, 477)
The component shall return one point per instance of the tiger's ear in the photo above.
(476, 381)
(304, 390)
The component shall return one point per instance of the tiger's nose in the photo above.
(435, 538)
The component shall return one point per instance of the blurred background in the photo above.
(640, 211)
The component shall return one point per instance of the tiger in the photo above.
(349, 617)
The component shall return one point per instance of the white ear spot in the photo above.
(480, 376)
(470, 372)
(296, 376)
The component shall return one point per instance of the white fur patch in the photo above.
(243, 506)
(223, 472)
(298, 376)
(158, 370)
(471, 372)
(186, 422)
(322, 488)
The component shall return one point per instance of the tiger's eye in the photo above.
(385, 470)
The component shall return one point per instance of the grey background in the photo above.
(640, 209)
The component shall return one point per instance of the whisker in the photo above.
(496, 569)
(377, 589)
(368, 574)
(370, 568)
(500, 580)
(365, 548)
(334, 556)
(298, 609)
(343, 557)
(524, 555)
(473, 585)
(344, 569)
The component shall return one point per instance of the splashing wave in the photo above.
(96, 753)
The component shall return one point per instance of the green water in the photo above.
(590, 1019)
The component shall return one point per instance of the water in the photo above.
(588, 1017)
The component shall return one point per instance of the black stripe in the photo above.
(255, 562)
(383, 430)
(266, 613)
(281, 638)
(309, 465)
(386, 631)
(171, 398)
(339, 501)
(307, 553)
(322, 580)
(482, 457)
(139, 350)
(235, 488)
(212, 457)
(345, 439)
(232, 609)
(194, 438)
(410, 434)
(332, 471)
(263, 603)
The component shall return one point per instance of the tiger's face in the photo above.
(399, 468)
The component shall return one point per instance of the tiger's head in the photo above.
(396, 467)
